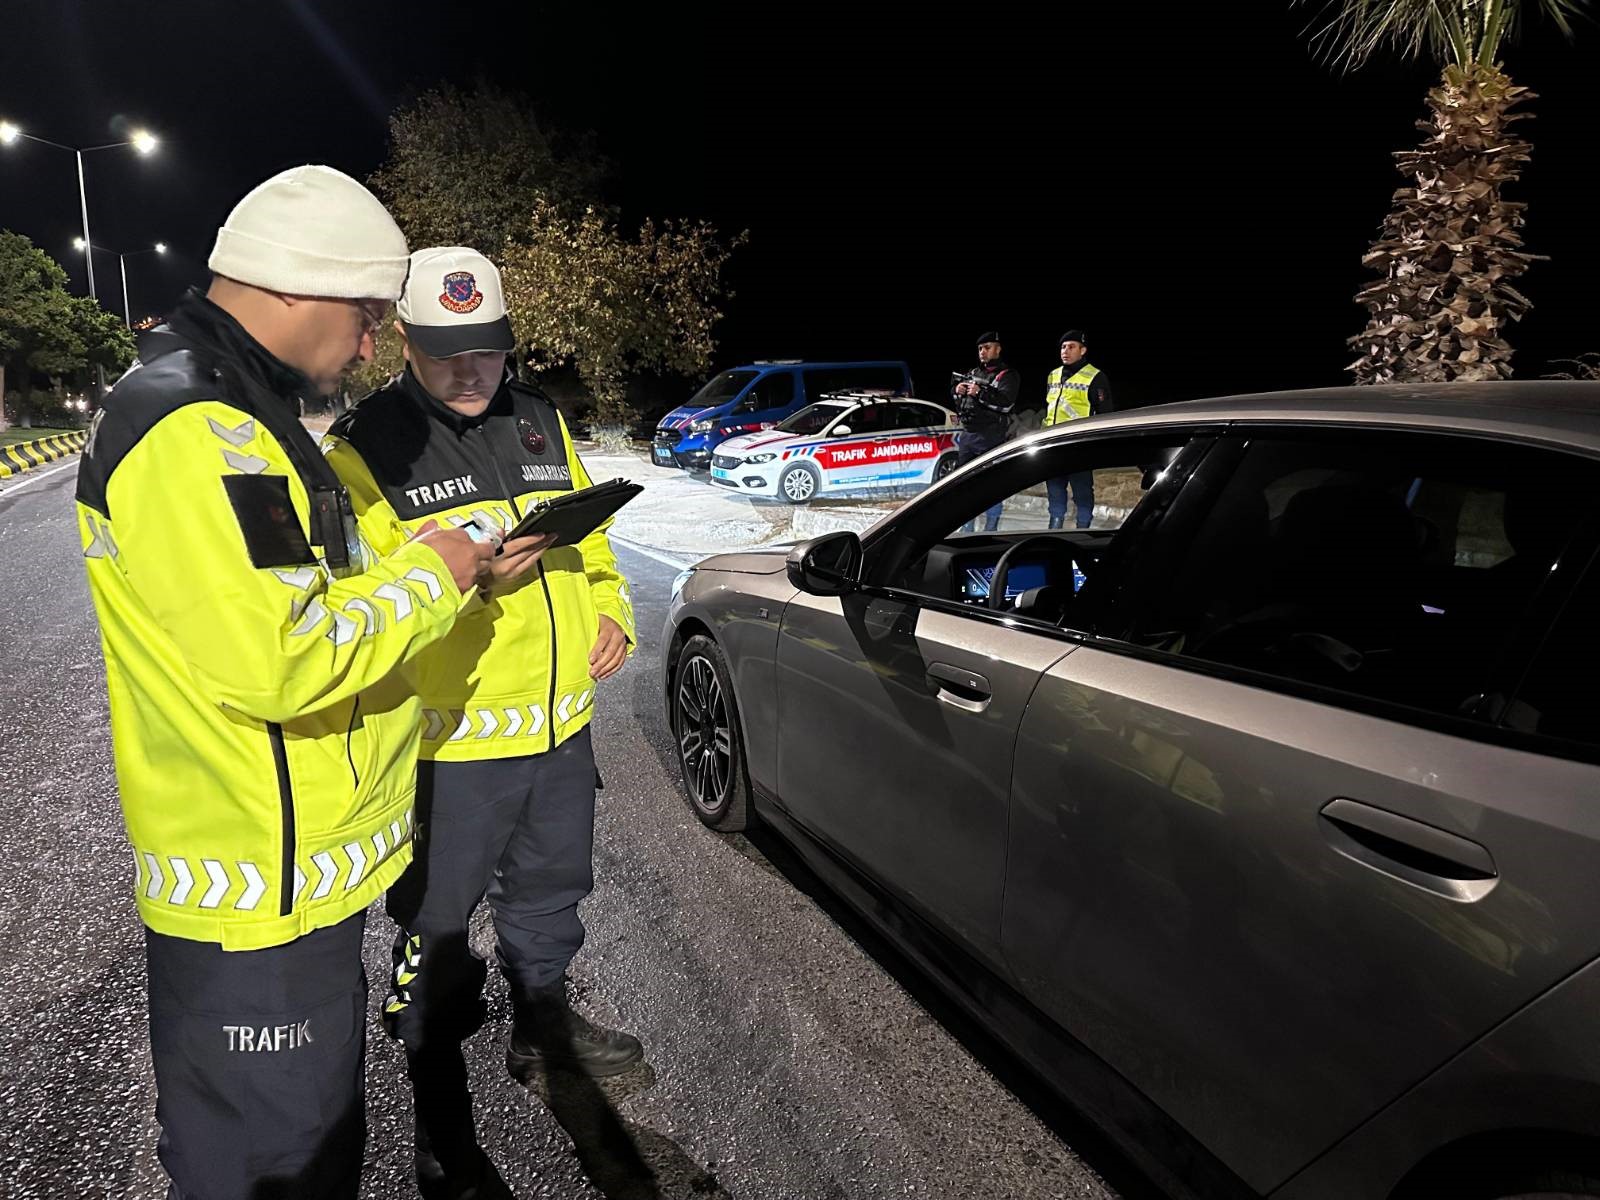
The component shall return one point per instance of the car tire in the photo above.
(799, 483)
(945, 466)
(705, 729)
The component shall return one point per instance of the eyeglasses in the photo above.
(372, 316)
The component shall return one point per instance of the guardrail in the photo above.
(24, 456)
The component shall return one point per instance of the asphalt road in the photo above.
(791, 1056)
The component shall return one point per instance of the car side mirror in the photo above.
(827, 566)
(839, 431)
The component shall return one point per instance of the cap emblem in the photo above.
(461, 294)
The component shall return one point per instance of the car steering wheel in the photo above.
(1040, 541)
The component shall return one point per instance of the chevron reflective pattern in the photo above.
(101, 543)
(198, 882)
(24, 456)
(246, 464)
(213, 883)
(234, 437)
(345, 866)
(358, 617)
(455, 725)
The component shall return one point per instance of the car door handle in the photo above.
(1410, 850)
(959, 687)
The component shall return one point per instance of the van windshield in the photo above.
(813, 417)
(721, 389)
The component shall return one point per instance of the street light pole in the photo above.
(83, 204)
(122, 264)
(142, 141)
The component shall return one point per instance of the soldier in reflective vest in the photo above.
(506, 786)
(1075, 389)
(266, 746)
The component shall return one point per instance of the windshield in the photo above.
(721, 389)
(813, 417)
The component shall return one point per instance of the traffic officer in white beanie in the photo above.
(265, 743)
(506, 786)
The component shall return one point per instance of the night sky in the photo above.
(1192, 187)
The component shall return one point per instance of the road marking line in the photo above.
(650, 552)
(35, 478)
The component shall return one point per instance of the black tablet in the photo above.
(574, 516)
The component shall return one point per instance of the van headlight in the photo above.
(678, 580)
(702, 426)
(760, 458)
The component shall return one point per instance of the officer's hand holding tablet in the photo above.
(564, 521)
(464, 554)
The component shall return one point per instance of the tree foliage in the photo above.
(477, 169)
(1450, 247)
(46, 332)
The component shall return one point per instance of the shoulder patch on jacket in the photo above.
(271, 528)
(146, 393)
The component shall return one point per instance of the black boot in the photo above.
(548, 1035)
(450, 1165)
(478, 1181)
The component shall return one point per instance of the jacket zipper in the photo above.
(349, 736)
(280, 759)
(549, 603)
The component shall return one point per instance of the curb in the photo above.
(23, 456)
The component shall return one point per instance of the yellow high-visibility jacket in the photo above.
(512, 678)
(265, 744)
(1066, 396)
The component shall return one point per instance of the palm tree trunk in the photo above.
(1448, 250)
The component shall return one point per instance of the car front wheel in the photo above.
(705, 725)
(798, 484)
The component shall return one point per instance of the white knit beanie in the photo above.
(313, 231)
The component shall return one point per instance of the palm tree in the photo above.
(1449, 249)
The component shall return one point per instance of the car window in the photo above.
(914, 416)
(1558, 696)
(1098, 494)
(721, 389)
(1058, 574)
(868, 418)
(813, 418)
(1389, 566)
(771, 391)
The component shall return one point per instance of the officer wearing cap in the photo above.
(1074, 389)
(265, 749)
(506, 785)
(984, 399)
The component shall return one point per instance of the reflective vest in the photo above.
(512, 678)
(1066, 400)
(265, 745)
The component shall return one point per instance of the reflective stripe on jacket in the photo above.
(513, 677)
(1066, 400)
(265, 745)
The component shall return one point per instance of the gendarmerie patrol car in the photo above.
(847, 442)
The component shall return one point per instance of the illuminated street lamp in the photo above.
(122, 259)
(143, 142)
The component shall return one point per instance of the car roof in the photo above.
(1560, 412)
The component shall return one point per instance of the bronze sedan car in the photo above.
(1261, 817)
